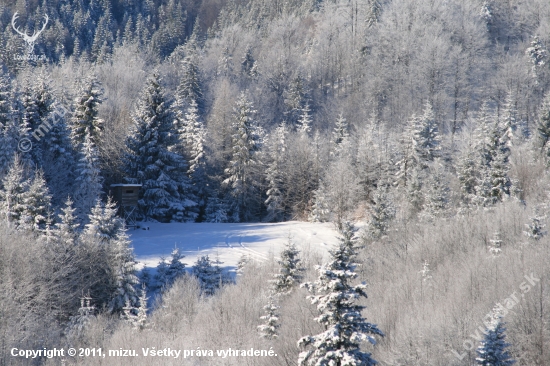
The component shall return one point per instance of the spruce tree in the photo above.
(425, 136)
(209, 274)
(151, 161)
(294, 99)
(437, 194)
(14, 186)
(241, 168)
(289, 275)
(36, 202)
(320, 211)
(160, 276)
(5, 100)
(189, 88)
(192, 138)
(340, 135)
(103, 224)
(492, 351)
(269, 329)
(88, 180)
(535, 229)
(123, 272)
(175, 269)
(335, 296)
(274, 174)
(85, 119)
(305, 121)
(66, 229)
(79, 323)
(382, 213)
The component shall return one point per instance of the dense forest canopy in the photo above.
(428, 118)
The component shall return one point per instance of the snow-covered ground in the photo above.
(227, 241)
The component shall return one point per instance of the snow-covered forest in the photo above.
(420, 129)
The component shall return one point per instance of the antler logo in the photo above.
(29, 39)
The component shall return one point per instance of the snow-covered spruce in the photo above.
(492, 351)
(320, 211)
(103, 224)
(88, 180)
(290, 270)
(535, 229)
(335, 298)
(85, 118)
(167, 273)
(150, 161)
(276, 150)
(123, 272)
(209, 274)
(382, 213)
(246, 142)
(269, 329)
(36, 202)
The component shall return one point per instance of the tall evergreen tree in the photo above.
(335, 296)
(189, 88)
(36, 203)
(192, 136)
(85, 119)
(88, 180)
(277, 145)
(151, 161)
(123, 272)
(240, 172)
(425, 136)
(14, 186)
(382, 213)
(340, 135)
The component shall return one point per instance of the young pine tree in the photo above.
(535, 229)
(176, 268)
(209, 274)
(320, 211)
(79, 323)
(269, 329)
(103, 224)
(66, 229)
(289, 275)
(335, 297)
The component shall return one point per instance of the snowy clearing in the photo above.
(228, 241)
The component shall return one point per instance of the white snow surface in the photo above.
(227, 241)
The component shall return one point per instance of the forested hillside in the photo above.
(426, 123)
